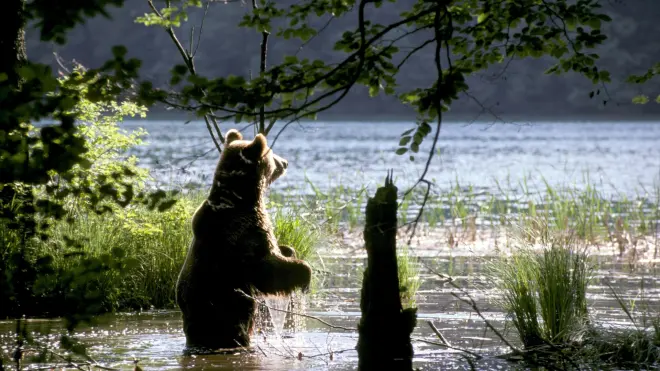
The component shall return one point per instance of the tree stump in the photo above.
(385, 328)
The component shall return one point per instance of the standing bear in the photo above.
(234, 248)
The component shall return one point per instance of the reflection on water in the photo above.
(620, 156)
(156, 339)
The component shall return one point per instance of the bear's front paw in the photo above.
(304, 277)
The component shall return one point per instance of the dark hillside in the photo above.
(522, 90)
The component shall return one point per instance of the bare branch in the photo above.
(189, 61)
(412, 52)
(201, 28)
(304, 44)
(262, 70)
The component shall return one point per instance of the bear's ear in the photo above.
(233, 135)
(256, 149)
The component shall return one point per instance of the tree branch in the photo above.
(262, 70)
(189, 61)
(437, 21)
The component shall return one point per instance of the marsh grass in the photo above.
(409, 282)
(544, 291)
(594, 216)
(635, 347)
(153, 247)
(542, 286)
(298, 228)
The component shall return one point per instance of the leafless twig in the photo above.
(188, 59)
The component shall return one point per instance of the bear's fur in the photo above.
(234, 247)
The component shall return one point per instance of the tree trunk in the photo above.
(12, 41)
(16, 207)
(385, 328)
(14, 55)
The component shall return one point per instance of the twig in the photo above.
(201, 28)
(314, 36)
(359, 55)
(474, 307)
(438, 333)
(438, 108)
(189, 61)
(450, 280)
(475, 355)
(262, 70)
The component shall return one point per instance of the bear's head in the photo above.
(246, 168)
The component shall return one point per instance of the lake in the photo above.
(623, 159)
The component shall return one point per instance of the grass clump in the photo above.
(296, 228)
(544, 290)
(409, 283)
(635, 347)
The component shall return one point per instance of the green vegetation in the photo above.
(81, 233)
(542, 287)
(153, 244)
(409, 282)
(592, 216)
(545, 292)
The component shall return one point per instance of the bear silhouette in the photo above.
(234, 248)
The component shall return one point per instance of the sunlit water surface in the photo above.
(156, 338)
(621, 157)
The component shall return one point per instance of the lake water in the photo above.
(620, 157)
(156, 338)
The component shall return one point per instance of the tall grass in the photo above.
(593, 216)
(153, 246)
(544, 291)
(637, 347)
(409, 282)
(298, 228)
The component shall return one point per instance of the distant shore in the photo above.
(462, 118)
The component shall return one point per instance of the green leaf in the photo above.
(119, 51)
(27, 72)
(404, 140)
(640, 99)
(407, 132)
(594, 23)
(482, 17)
(401, 150)
(374, 90)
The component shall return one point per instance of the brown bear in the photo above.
(234, 248)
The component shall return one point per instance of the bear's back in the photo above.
(234, 231)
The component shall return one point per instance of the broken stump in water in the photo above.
(385, 328)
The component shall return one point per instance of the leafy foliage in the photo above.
(37, 274)
(641, 79)
(469, 36)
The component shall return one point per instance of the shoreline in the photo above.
(450, 118)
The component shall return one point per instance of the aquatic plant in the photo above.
(409, 282)
(636, 347)
(462, 210)
(544, 292)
